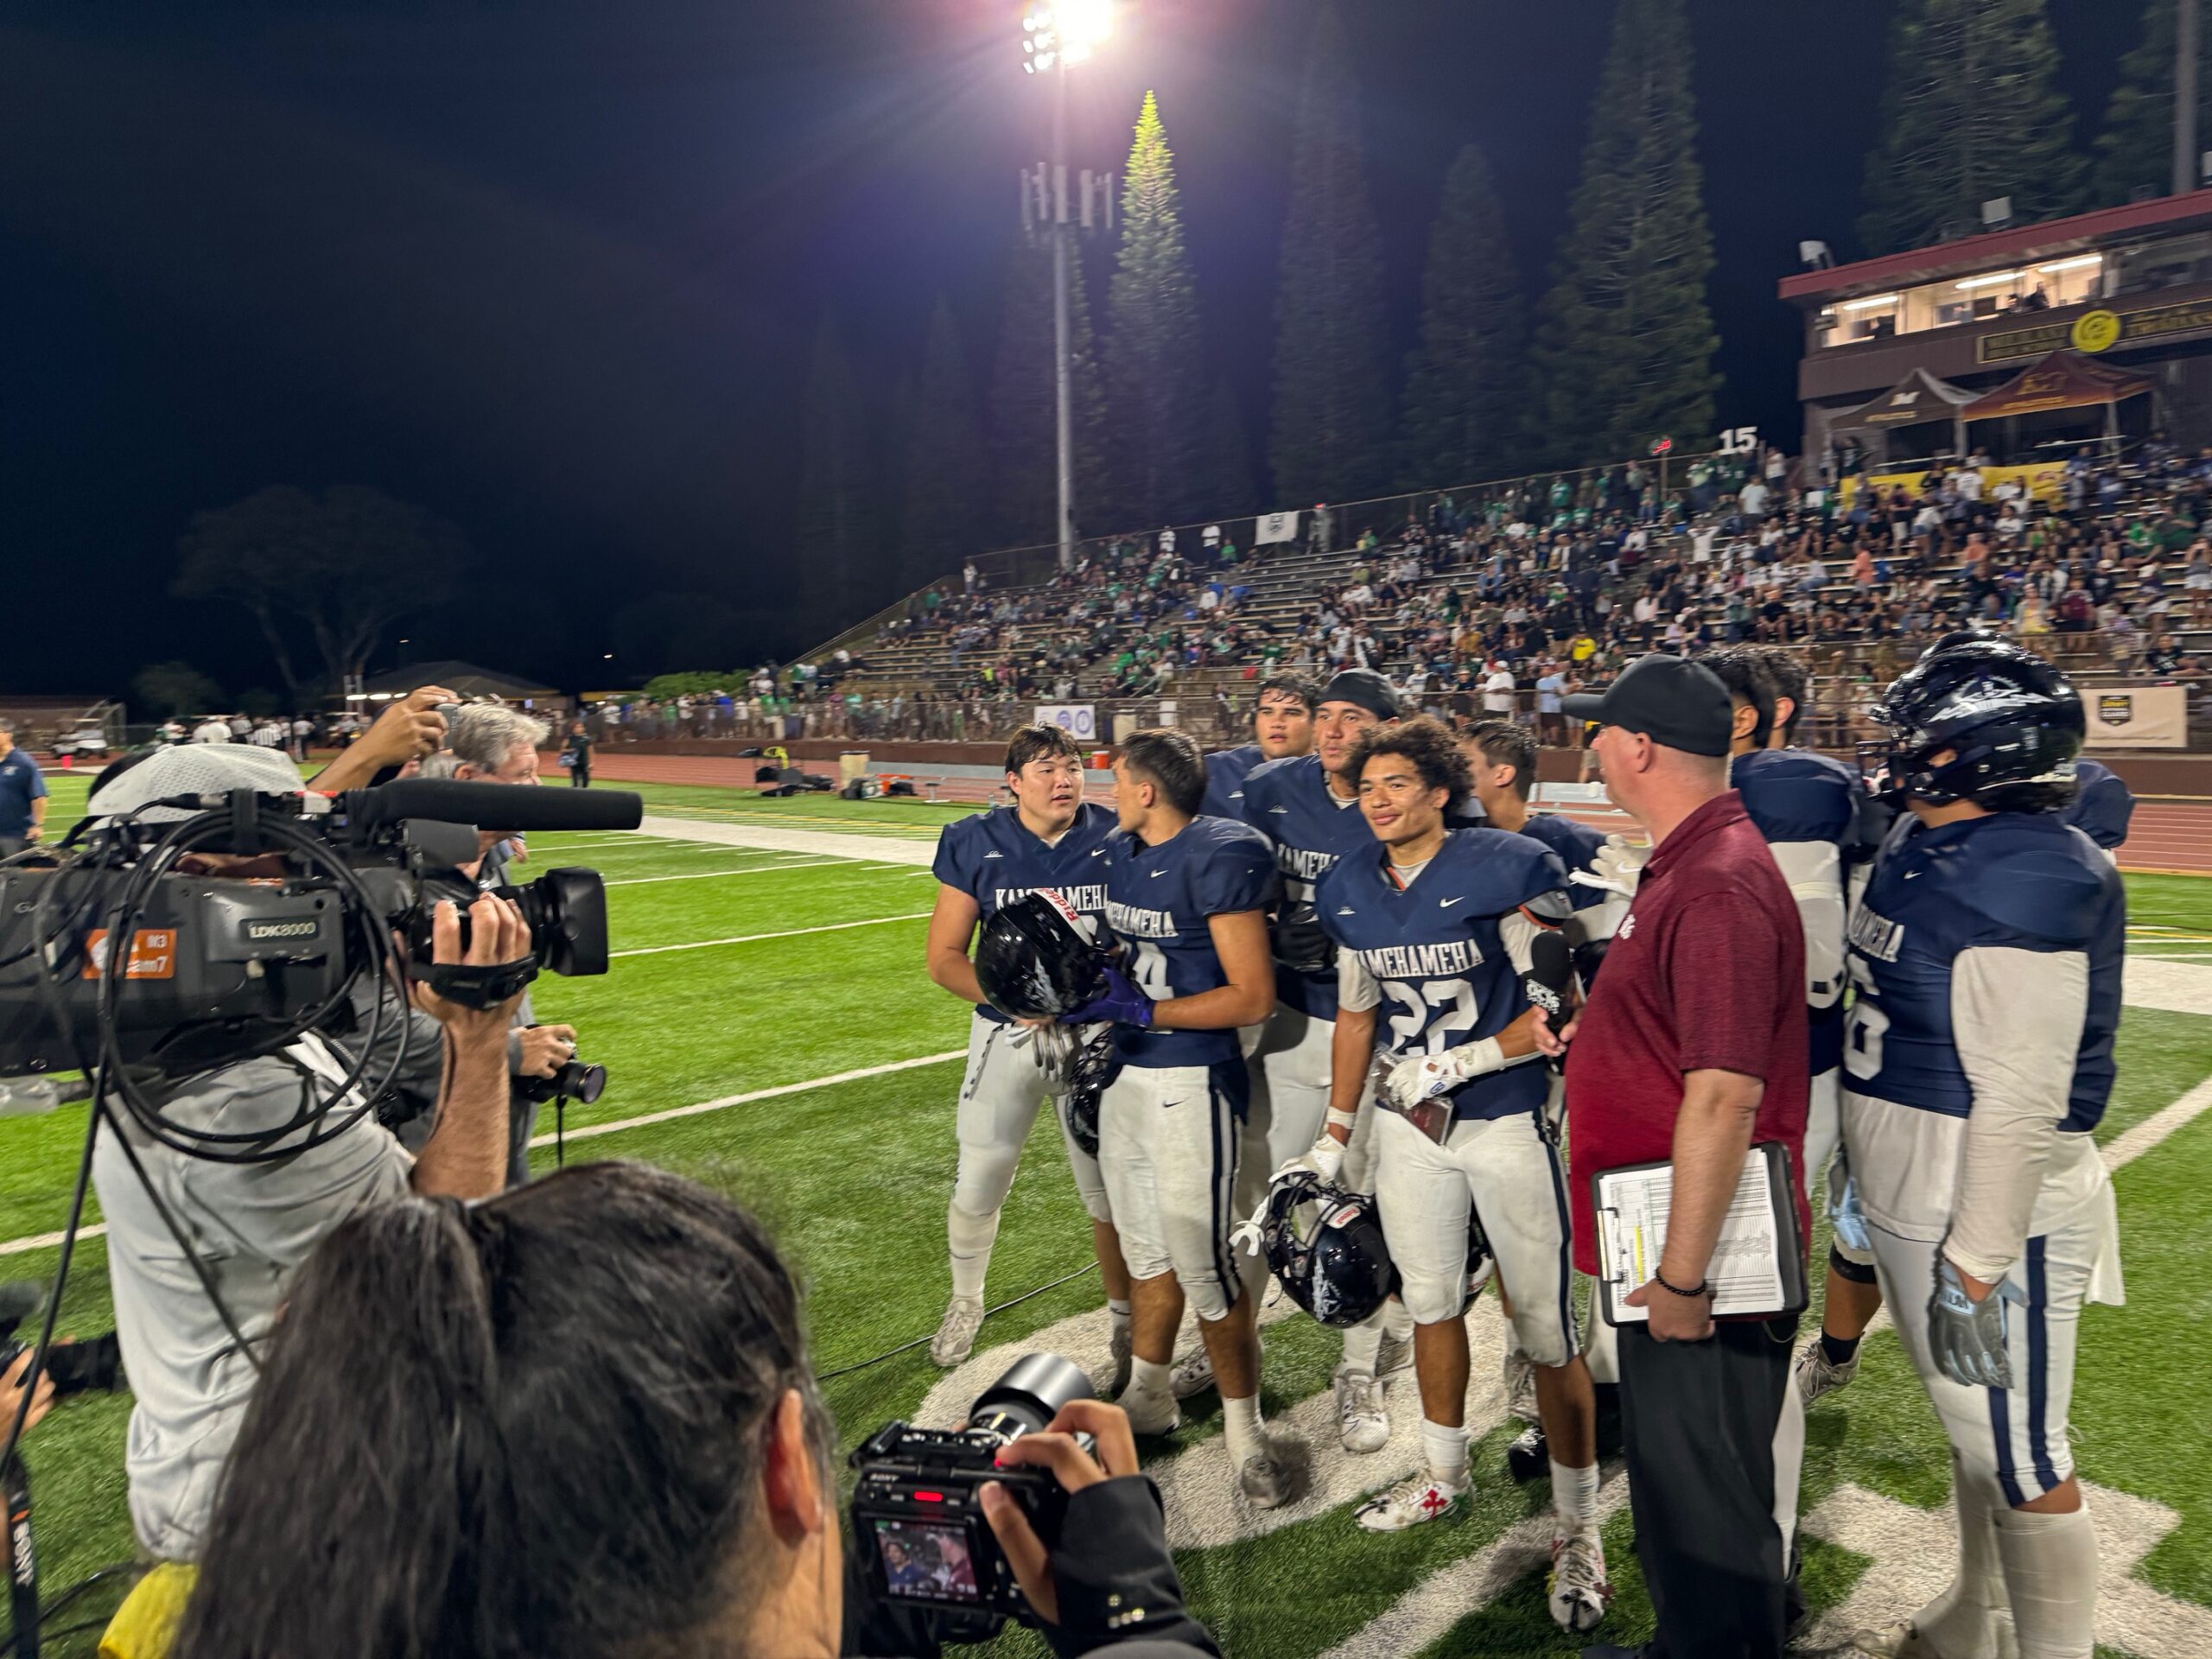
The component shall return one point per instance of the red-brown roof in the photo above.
(2018, 244)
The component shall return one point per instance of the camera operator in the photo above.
(192, 1362)
(400, 1485)
(493, 744)
(22, 795)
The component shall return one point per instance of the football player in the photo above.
(1434, 929)
(1186, 897)
(1807, 806)
(1050, 837)
(1308, 810)
(1986, 953)
(2101, 807)
(1282, 726)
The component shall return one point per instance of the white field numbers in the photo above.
(1151, 973)
(1862, 1038)
(1446, 1006)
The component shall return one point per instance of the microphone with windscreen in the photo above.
(1550, 982)
(493, 806)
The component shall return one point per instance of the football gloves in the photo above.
(1120, 1001)
(1844, 1213)
(1965, 1338)
(1424, 1077)
(1617, 867)
(1298, 941)
(1324, 1159)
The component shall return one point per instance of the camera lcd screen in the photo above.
(926, 1561)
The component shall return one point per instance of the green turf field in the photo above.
(758, 974)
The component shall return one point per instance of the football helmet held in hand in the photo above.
(1325, 1245)
(1038, 959)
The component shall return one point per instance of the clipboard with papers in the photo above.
(1758, 1262)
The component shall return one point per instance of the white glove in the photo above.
(1424, 1077)
(1324, 1159)
(1617, 867)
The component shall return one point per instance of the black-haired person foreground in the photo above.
(580, 1420)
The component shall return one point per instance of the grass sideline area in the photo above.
(760, 973)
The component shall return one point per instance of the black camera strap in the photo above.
(475, 985)
(23, 1558)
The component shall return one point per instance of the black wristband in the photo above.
(1704, 1287)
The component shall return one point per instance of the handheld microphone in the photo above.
(1550, 982)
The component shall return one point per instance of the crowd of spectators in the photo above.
(1507, 597)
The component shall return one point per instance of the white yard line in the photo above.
(819, 842)
(673, 1112)
(788, 933)
(859, 865)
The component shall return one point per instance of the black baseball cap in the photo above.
(1677, 703)
(1365, 689)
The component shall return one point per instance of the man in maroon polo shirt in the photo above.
(1692, 1047)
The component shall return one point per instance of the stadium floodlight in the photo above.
(1060, 34)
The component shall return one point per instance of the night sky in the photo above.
(552, 270)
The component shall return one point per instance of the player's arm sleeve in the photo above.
(1814, 870)
(1356, 987)
(2016, 1018)
(950, 867)
(1243, 878)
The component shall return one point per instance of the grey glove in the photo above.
(1966, 1337)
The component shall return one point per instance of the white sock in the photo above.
(1120, 1310)
(2051, 1577)
(1363, 1343)
(1446, 1452)
(1147, 1378)
(1959, 1620)
(1575, 1497)
(1240, 1423)
(970, 1239)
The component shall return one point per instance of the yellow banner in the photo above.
(2041, 479)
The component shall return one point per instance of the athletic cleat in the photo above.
(1411, 1502)
(956, 1332)
(1265, 1481)
(1119, 1346)
(1818, 1375)
(1362, 1423)
(1904, 1640)
(1149, 1414)
(1577, 1587)
(1528, 1454)
(1194, 1374)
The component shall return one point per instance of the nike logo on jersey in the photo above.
(1156, 875)
(1446, 903)
(1098, 852)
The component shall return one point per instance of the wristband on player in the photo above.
(1342, 1120)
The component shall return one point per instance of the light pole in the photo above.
(1057, 34)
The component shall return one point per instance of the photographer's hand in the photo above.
(466, 1155)
(11, 1392)
(406, 730)
(546, 1049)
(1056, 1449)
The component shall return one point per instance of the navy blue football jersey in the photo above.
(1310, 827)
(1158, 899)
(2102, 805)
(1577, 846)
(1436, 952)
(995, 859)
(2022, 880)
(1792, 796)
(1226, 770)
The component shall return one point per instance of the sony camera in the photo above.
(916, 1518)
(216, 968)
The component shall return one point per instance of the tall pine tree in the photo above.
(1332, 438)
(946, 472)
(1025, 418)
(1623, 348)
(838, 529)
(1466, 381)
(2135, 151)
(1155, 386)
(1971, 110)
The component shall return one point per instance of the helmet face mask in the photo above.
(2009, 724)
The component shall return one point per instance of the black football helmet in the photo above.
(1038, 959)
(1092, 1068)
(1325, 1245)
(2013, 723)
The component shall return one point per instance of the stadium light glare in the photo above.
(1991, 281)
(1868, 305)
(2085, 260)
